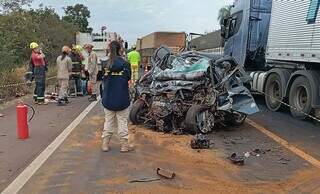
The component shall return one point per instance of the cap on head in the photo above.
(66, 49)
(86, 46)
(34, 45)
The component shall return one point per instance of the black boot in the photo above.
(93, 98)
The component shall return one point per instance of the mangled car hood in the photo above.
(192, 70)
(182, 75)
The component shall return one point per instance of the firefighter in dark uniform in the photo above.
(38, 68)
(75, 77)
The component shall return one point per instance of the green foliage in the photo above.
(224, 13)
(78, 15)
(19, 28)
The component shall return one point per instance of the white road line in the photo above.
(30, 170)
(285, 144)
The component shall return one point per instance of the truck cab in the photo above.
(246, 32)
(278, 44)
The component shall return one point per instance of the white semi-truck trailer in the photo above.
(99, 41)
(278, 43)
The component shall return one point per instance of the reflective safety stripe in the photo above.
(40, 98)
(115, 73)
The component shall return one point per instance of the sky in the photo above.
(134, 19)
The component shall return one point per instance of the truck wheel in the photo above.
(199, 120)
(300, 98)
(138, 110)
(274, 91)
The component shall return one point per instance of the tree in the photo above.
(224, 13)
(78, 15)
(18, 28)
(42, 25)
(13, 5)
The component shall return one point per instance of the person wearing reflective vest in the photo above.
(134, 58)
(38, 68)
(116, 98)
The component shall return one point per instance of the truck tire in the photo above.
(273, 92)
(199, 120)
(300, 98)
(136, 110)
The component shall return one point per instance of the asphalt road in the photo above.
(303, 134)
(78, 165)
(48, 123)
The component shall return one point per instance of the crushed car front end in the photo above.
(192, 93)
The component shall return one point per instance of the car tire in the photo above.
(136, 109)
(192, 125)
(300, 97)
(274, 91)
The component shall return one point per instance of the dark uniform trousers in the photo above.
(40, 79)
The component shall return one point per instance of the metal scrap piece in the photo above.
(165, 173)
(144, 180)
(200, 142)
(235, 159)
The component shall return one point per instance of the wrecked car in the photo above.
(192, 93)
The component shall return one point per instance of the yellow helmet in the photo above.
(34, 45)
(77, 48)
(66, 49)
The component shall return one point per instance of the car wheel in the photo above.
(300, 98)
(273, 92)
(138, 110)
(199, 120)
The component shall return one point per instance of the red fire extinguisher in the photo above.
(22, 120)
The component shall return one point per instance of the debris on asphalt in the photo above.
(236, 159)
(144, 180)
(247, 154)
(200, 141)
(165, 173)
(284, 160)
(51, 96)
(1, 115)
(258, 152)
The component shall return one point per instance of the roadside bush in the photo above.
(13, 76)
(18, 29)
